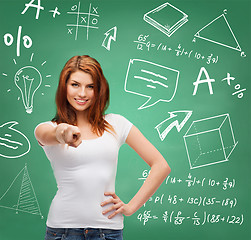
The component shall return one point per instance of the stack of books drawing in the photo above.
(166, 18)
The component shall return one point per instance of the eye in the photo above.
(90, 86)
(74, 84)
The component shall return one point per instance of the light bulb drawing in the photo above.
(28, 79)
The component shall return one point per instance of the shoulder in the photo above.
(121, 125)
(113, 118)
(118, 121)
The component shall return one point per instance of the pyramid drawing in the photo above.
(20, 195)
(219, 32)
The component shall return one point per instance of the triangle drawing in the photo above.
(20, 195)
(219, 32)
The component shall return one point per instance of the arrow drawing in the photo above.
(166, 126)
(109, 36)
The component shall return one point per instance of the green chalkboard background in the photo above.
(205, 209)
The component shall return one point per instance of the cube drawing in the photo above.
(209, 141)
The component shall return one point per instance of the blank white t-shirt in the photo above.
(83, 174)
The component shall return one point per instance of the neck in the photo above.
(82, 118)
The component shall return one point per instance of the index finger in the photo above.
(75, 130)
(111, 194)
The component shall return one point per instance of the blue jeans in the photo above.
(83, 234)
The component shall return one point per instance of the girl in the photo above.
(82, 144)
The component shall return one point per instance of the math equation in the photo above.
(204, 200)
(197, 219)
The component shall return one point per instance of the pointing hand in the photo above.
(68, 134)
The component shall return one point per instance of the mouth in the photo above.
(81, 101)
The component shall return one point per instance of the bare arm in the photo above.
(159, 167)
(159, 171)
(63, 133)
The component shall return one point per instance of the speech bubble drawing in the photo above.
(13, 143)
(151, 80)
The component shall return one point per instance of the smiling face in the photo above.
(80, 91)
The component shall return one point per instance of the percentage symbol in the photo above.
(8, 40)
(239, 92)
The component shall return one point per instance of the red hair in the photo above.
(66, 113)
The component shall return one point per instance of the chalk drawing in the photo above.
(55, 12)
(13, 143)
(207, 80)
(9, 39)
(175, 119)
(30, 4)
(20, 195)
(28, 79)
(110, 35)
(228, 79)
(239, 91)
(225, 36)
(209, 141)
(151, 80)
(166, 18)
(84, 20)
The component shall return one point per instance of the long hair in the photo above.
(66, 113)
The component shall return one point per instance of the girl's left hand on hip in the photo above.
(118, 205)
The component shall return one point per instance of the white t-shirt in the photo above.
(83, 174)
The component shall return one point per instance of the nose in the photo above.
(82, 92)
